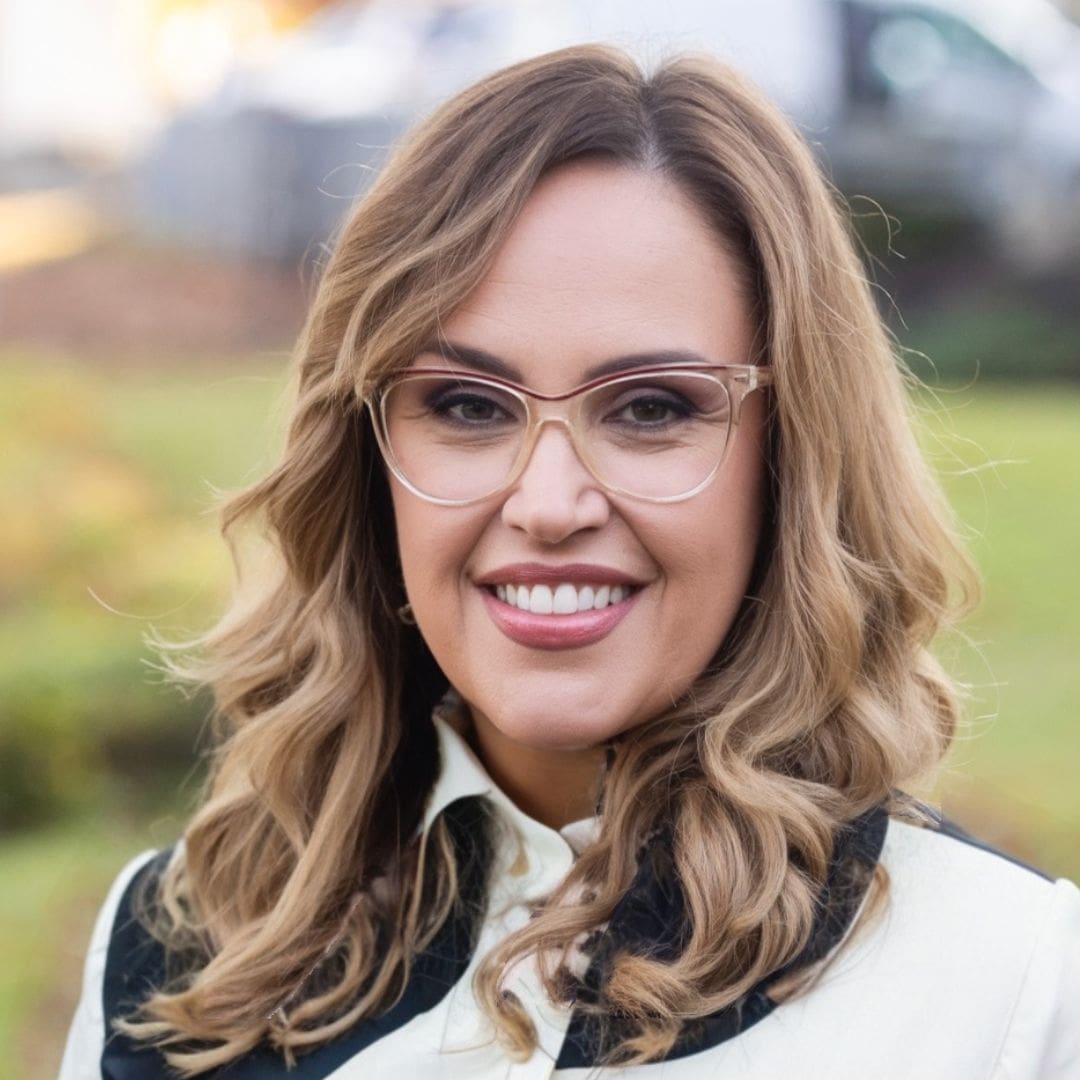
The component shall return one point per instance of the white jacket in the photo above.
(971, 973)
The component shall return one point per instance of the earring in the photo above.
(405, 614)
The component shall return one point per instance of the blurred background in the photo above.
(171, 173)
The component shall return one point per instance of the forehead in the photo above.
(604, 262)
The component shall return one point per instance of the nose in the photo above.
(555, 496)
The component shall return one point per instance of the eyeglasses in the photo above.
(659, 433)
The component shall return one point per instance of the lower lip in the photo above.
(557, 631)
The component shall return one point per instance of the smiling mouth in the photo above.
(563, 599)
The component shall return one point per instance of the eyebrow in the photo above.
(490, 364)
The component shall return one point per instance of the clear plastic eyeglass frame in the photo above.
(738, 380)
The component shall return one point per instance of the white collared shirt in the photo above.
(971, 973)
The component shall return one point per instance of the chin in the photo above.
(559, 725)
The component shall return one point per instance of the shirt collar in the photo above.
(462, 775)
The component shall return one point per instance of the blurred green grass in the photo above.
(55, 880)
(1009, 455)
(108, 479)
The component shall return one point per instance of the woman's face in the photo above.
(603, 263)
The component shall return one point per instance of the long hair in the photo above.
(822, 701)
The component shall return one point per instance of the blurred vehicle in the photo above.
(953, 107)
(962, 106)
(968, 105)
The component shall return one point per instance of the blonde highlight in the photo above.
(306, 857)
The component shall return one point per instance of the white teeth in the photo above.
(565, 599)
(541, 601)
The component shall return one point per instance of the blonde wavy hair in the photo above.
(823, 702)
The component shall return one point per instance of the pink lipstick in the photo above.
(570, 631)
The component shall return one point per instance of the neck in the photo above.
(553, 787)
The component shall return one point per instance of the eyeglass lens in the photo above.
(653, 435)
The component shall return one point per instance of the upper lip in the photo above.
(532, 573)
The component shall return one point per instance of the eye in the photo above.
(651, 409)
(655, 410)
(470, 407)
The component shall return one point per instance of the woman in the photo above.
(601, 453)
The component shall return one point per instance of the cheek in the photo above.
(711, 554)
(410, 534)
(720, 533)
(710, 581)
(435, 544)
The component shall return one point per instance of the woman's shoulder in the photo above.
(88, 1031)
(970, 940)
(970, 967)
(952, 893)
(941, 872)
